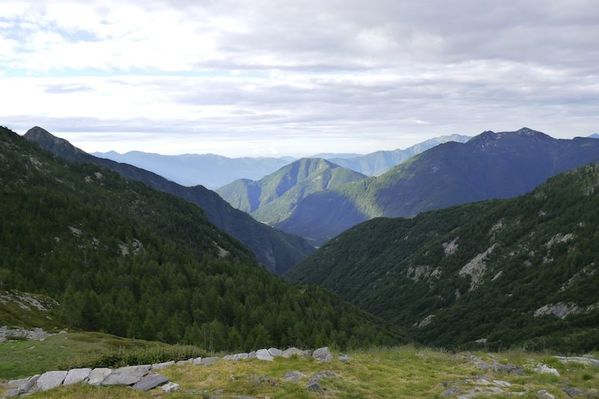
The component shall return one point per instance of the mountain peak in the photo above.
(52, 143)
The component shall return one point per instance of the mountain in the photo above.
(521, 271)
(276, 250)
(490, 165)
(123, 258)
(377, 163)
(209, 170)
(594, 136)
(274, 197)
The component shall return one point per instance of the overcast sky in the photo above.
(278, 77)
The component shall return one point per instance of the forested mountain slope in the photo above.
(124, 258)
(276, 250)
(521, 271)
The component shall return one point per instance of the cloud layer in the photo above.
(296, 77)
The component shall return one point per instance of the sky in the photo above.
(296, 77)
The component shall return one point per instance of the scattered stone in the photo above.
(165, 364)
(97, 376)
(274, 352)
(150, 381)
(289, 352)
(240, 356)
(50, 379)
(170, 387)
(314, 387)
(126, 375)
(317, 377)
(322, 354)
(209, 361)
(265, 379)
(544, 369)
(252, 355)
(75, 376)
(451, 391)
(572, 392)
(584, 360)
(543, 394)
(264, 354)
(21, 386)
(35, 334)
(344, 358)
(293, 376)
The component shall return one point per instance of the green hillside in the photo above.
(123, 258)
(522, 271)
(273, 198)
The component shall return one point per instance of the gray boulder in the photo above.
(162, 365)
(344, 358)
(572, 392)
(240, 356)
(21, 386)
(209, 361)
(170, 387)
(293, 376)
(197, 361)
(75, 376)
(289, 352)
(274, 352)
(264, 354)
(184, 362)
(97, 376)
(126, 375)
(252, 355)
(314, 387)
(150, 381)
(322, 354)
(50, 379)
(543, 394)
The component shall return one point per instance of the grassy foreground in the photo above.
(403, 372)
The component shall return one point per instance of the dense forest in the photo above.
(123, 258)
(522, 271)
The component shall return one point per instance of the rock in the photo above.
(289, 352)
(344, 358)
(252, 355)
(572, 392)
(22, 386)
(97, 376)
(293, 376)
(126, 375)
(75, 376)
(162, 365)
(264, 354)
(150, 381)
(209, 361)
(265, 379)
(240, 356)
(170, 387)
(543, 394)
(307, 353)
(184, 362)
(317, 377)
(322, 354)
(50, 379)
(584, 360)
(451, 391)
(544, 369)
(314, 387)
(274, 352)
(228, 357)
(196, 361)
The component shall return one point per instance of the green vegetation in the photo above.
(125, 259)
(479, 271)
(275, 250)
(18, 309)
(273, 198)
(405, 372)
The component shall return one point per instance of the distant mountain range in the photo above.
(273, 198)
(379, 162)
(209, 170)
(490, 165)
(276, 250)
(521, 271)
(594, 136)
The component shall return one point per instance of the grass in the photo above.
(402, 372)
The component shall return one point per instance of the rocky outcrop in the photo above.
(476, 268)
(35, 334)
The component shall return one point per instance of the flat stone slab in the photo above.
(98, 375)
(75, 376)
(150, 381)
(50, 379)
(163, 365)
(264, 354)
(126, 375)
(21, 386)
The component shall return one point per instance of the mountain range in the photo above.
(490, 165)
(209, 170)
(377, 163)
(273, 198)
(276, 250)
(594, 136)
(123, 258)
(519, 271)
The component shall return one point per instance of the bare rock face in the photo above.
(560, 310)
(322, 354)
(50, 379)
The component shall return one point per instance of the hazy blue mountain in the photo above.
(340, 155)
(276, 250)
(274, 197)
(209, 170)
(379, 162)
(594, 136)
(490, 165)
